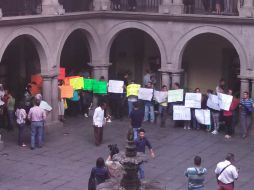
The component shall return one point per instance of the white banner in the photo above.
(160, 96)
(181, 113)
(225, 101)
(193, 100)
(145, 94)
(115, 86)
(44, 105)
(175, 95)
(203, 116)
(213, 102)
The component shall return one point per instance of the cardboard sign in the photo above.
(115, 86)
(88, 84)
(77, 83)
(193, 100)
(66, 91)
(160, 96)
(213, 102)
(145, 94)
(133, 89)
(175, 95)
(100, 87)
(61, 75)
(181, 113)
(225, 101)
(203, 116)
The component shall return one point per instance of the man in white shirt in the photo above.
(226, 173)
(98, 123)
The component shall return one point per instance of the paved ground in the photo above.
(64, 163)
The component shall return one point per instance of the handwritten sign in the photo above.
(145, 94)
(213, 102)
(66, 91)
(100, 87)
(181, 113)
(160, 96)
(193, 100)
(88, 84)
(132, 89)
(203, 116)
(115, 86)
(225, 101)
(175, 95)
(77, 83)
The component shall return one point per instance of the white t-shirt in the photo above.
(98, 117)
(21, 116)
(229, 175)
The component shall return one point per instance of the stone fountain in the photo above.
(129, 180)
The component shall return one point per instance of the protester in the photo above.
(149, 107)
(147, 78)
(37, 117)
(10, 104)
(228, 115)
(131, 100)
(141, 144)
(226, 173)
(163, 107)
(204, 106)
(99, 174)
(74, 104)
(195, 123)
(87, 99)
(27, 98)
(136, 117)
(246, 108)
(61, 100)
(21, 122)
(98, 123)
(196, 175)
(221, 87)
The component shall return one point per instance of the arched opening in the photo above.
(19, 63)
(76, 54)
(134, 51)
(206, 59)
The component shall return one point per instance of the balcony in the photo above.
(207, 7)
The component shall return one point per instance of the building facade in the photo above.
(195, 50)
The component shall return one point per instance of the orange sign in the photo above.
(37, 79)
(61, 75)
(66, 91)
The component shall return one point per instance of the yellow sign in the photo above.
(77, 83)
(132, 89)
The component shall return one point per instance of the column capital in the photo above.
(98, 65)
(243, 78)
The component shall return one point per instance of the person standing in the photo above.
(98, 123)
(60, 102)
(21, 121)
(10, 104)
(147, 78)
(163, 107)
(141, 144)
(246, 108)
(131, 100)
(226, 173)
(136, 117)
(37, 117)
(196, 175)
(149, 107)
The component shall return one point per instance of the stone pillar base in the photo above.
(52, 10)
(102, 5)
(176, 9)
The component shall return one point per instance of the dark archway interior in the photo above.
(206, 59)
(75, 55)
(134, 51)
(19, 62)
(76, 5)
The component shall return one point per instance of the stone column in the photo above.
(46, 94)
(244, 85)
(252, 90)
(165, 6)
(101, 5)
(176, 77)
(247, 10)
(177, 7)
(52, 7)
(1, 13)
(99, 71)
(54, 99)
(165, 79)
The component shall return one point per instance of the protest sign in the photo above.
(175, 95)
(66, 91)
(203, 116)
(77, 83)
(61, 74)
(160, 96)
(115, 86)
(145, 94)
(44, 105)
(132, 89)
(193, 100)
(225, 101)
(181, 113)
(99, 87)
(213, 102)
(88, 84)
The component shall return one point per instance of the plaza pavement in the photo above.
(64, 163)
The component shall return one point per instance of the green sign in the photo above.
(88, 84)
(99, 87)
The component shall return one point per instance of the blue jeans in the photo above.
(130, 106)
(141, 171)
(162, 111)
(245, 122)
(149, 111)
(36, 131)
(11, 117)
(21, 133)
(195, 123)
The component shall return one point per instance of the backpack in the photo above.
(92, 183)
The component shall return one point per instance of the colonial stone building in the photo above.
(195, 50)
